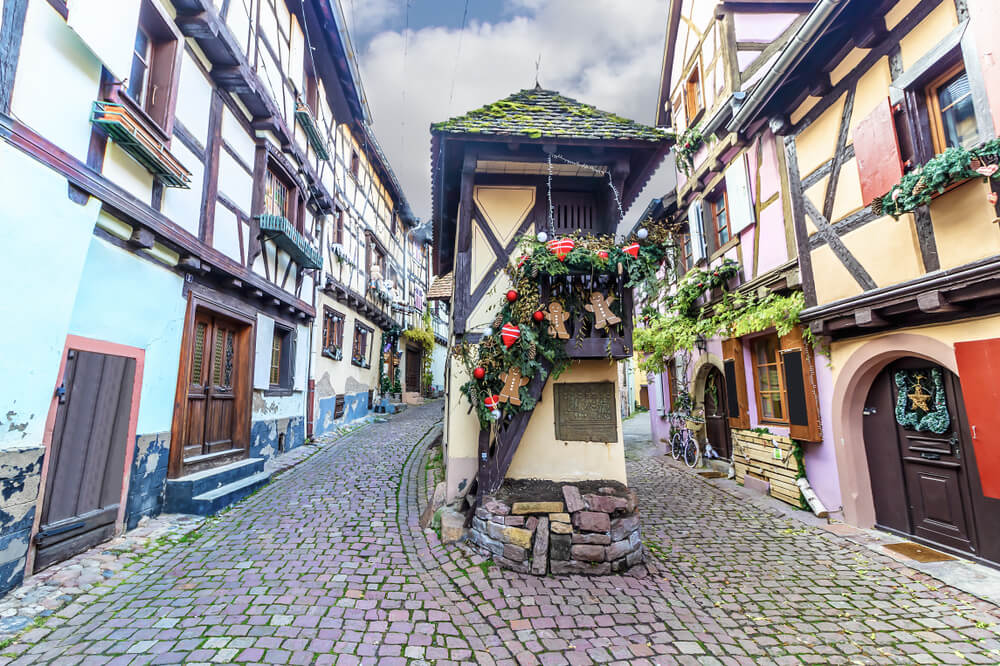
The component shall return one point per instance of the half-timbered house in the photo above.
(755, 393)
(888, 113)
(171, 167)
(538, 162)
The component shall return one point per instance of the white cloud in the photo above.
(592, 50)
(367, 16)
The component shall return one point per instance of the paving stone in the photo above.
(334, 569)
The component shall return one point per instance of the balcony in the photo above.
(132, 136)
(279, 230)
(586, 341)
(304, 115)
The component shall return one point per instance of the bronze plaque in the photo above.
(585, 412)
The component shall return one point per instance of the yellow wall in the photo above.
(888, 250)
(926, 34)
(984, 328)
(542, 456)
(963, 225)
(816, 143)
(833, 281)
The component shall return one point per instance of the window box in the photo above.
(130, 134)
(278, 229)
(305, 117)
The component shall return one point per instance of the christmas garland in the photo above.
(954, 165)
(688, 144)
(527, 338)
(919, 418)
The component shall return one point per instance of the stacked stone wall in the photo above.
(586, 533)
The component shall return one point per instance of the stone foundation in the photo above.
(543, 527)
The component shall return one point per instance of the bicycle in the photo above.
(683, 445)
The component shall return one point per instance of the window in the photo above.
(276, 195)
(692, 95)
(282, 358)
(768, 380)
(333, 333)
(152, 79)
(355, 163)
(718, 208)
(338, 232)
(362, 340)
(952, 115)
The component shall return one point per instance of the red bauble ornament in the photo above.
(479, 373)
(538, 315)
(509, 334)
(560, 247)
(632, 249)
(512, 295)
(492, 402)
(992, 198)
(603, 254)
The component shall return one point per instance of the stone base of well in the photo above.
(542, 527)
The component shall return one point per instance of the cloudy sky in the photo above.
(420, 66)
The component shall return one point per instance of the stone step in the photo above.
(214, 500)
(206, 480)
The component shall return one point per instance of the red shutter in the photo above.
(736, 383)
(978, 368)
(876, 148)
(801, 395)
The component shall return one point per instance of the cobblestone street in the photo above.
(328, 565)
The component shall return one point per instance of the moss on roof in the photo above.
(537, 113)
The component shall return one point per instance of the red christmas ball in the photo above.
(538, 315)
(512, 295)
(479, 373)
(603, 254)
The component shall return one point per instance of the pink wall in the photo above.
(985, 24)
(821, 458)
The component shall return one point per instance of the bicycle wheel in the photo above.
(690, 452)
(676, 445)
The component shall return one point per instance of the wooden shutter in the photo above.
(978, 365)
(262, 352)
(741, 208)
(802, 400)
(697, 230)
(876, 148)
(736, 383)
(164, 74)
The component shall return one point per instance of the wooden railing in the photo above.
(614, 341)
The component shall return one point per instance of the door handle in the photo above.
(973, 432)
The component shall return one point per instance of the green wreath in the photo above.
(936, 420)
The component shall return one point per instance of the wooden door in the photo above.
(716, 415)
(412, 369)
(920, 472)
(210, 412)
(644, 396)
(86, 466)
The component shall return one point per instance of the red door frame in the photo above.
(99, 347)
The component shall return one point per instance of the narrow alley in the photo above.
(327, 565)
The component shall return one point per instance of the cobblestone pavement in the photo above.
(328, 565)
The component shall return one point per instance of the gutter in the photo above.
(800, 42)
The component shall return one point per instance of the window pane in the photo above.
(276, 359)
(958, 116)
(770, 405)
(136, 78)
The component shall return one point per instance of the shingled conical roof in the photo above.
(538, 113)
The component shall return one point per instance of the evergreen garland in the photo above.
(536, 352)
(954, 165)
(687, 145)
(936, 420)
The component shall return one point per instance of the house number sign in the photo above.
(586, 412)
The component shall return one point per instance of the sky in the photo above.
(418, 66)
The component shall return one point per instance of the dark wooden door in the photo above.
(920, 478)
(210, 411)
(644, 396)
(86, 466)
(412, 369)
(716, 415)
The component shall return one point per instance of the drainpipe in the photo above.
(790, 54)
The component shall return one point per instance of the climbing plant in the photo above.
(424, 335)
(687, 145)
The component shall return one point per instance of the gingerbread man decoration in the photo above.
(512, 383)
(601, 307)
(557, 320)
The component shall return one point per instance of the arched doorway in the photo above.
(920, 458)
(716, 416)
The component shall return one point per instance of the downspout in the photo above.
(790, 54)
